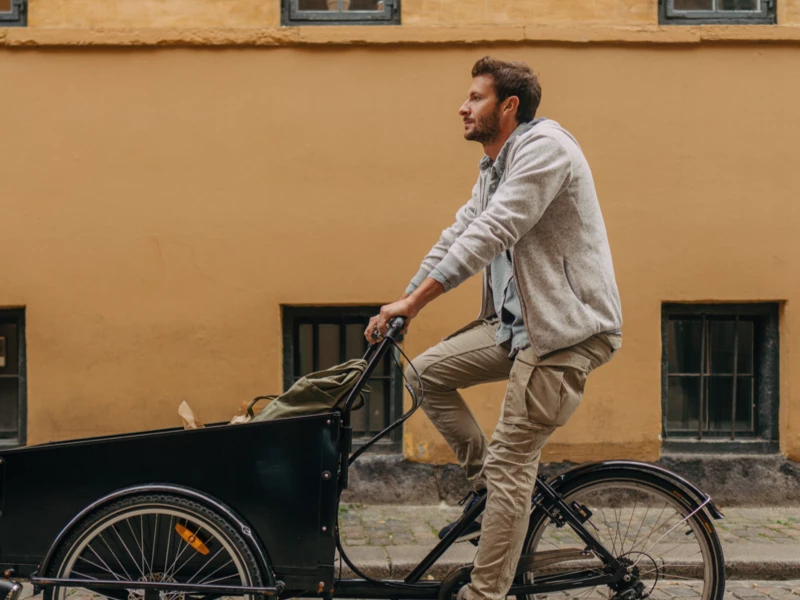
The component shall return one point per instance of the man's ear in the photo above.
(511, 105)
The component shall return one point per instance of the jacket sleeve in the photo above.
(536, 174)
(465, 215)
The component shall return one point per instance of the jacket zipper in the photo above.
(522, 304)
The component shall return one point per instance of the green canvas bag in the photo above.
(315, 393)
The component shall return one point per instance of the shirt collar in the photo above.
(500, 164)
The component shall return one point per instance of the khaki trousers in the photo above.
(540, 396)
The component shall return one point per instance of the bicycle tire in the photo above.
(608, 495)
(196, 533)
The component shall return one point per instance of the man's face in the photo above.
(480, 111)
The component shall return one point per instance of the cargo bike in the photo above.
(251, 510)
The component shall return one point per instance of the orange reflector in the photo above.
(191, 539)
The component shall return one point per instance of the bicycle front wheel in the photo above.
(154, 538)
(648, 524)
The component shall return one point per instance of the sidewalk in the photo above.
(389, 540)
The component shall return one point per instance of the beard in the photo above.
(486, 128)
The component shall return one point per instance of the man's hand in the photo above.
(408, 306)
(379, 324)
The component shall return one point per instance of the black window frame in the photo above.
(293, 316)
(766, 384)
(292, 16)
(17, 16)
(16, 316)
(667, 15)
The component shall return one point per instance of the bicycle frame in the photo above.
(544, 496)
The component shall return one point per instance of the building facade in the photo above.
(204, 199)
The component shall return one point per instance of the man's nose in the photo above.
(463, 111)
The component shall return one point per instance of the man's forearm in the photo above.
(429, 290)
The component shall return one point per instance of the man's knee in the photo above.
(418, 370)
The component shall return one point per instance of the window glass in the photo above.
(305, 343)
(339, 5)
(329, 349)
(9, 361)
(685, 346)
(693, 4)
(683, 405)
(751, 5)
(720, 403)
(9, 405)
(745, 415)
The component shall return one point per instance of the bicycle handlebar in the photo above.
(396, 326)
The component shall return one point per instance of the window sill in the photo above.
(392, 35)
(719, 446)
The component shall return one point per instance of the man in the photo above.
(550, 311)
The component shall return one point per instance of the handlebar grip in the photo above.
(396, 325)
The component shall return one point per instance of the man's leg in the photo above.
(540, 397)
(466, 359)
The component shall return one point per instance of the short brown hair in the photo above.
(512, 78)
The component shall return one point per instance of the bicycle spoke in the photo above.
(605, 522)
(105, 566)
(616, 530)
(205, 564)
(114, 529)
(114, 554)
(217, 570)
(644, 520)
(655, 528)
(84, 575)
(169, 572)
(691, 514)
(220, 579)
(169, 539)
(155, 545)
(628, 528)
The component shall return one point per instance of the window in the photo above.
(341, 12)
(13, 12)
(720, 376)
(316, 338)
(693, 12)
(12, 378)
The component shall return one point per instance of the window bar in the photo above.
(315, 346)
(735, 374)
(392, 384)
(703, 366)
(367, 408)
(295, 352)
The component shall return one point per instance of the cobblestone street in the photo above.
(389, 540)
(391, 525)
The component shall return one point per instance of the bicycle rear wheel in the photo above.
(646, 522)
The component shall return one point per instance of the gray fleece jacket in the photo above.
(546, 212)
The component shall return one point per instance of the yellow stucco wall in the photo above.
(159, 206)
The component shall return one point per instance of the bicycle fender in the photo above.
(209, 502)
(688, 487)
